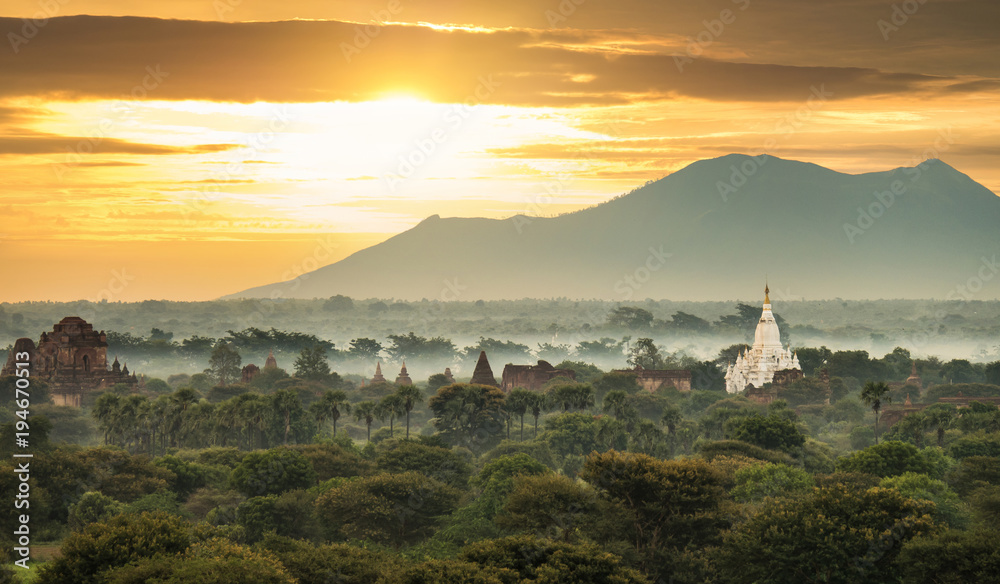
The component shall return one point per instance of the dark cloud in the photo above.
(942, 37)
(40, 143)
(134, 58)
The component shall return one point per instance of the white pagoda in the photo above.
(758, 364)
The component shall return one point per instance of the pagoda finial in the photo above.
(767, 293)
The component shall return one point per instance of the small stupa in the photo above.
(379, 378)
(403, 378)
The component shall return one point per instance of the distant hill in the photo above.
(708, 232)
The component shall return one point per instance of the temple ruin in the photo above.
(73, 360)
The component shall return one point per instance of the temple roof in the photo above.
(483, 374)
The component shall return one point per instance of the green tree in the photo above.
(577, 434)
(991, 373)
(447, 572)
(617, 404)
(974, 472)
(834, 535)
(526, 558)
(330, 563)
(536, 403)
(873, 395)
(518, 401)
(603, 348)
(469, 415)
(577, 396)
(939, 417)
(948, 508)
(951, 557)
(87, 555)
(630, 317)
(392, 509)
(331, 406)
(504, 351)
(644, 353)
(548, 503)
(339, 303)
(892, 458)
(224, 363)
(772, 432)
(366, 349)
(366, 412)
(390, 408)
(683, 321)
(215, 561)
(412, 346)
(441, 464)
(436, 381)
(670, 504)
(91, 508)
(758, 481)
(311, 364)
(272, 472)
(496, 480)
(670, 418)
(411, 397)
(105, 411)
(285, 403)
(961, 371)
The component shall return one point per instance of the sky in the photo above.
(188, 149)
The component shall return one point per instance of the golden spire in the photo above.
(767, 292)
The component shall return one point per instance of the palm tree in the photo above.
(518, 401)
(158, 415)
(671, 417)
(535, 405)
(133, 420)
(644, 435)
(329, 407)
(616, 403)
(251, 407)
(411, 396)
(227, 416)
(365, 411)
(319, 413)
(389, 408)
(872, 395)
(939, 417)
(914, 426)
(105, 410)
(285, 401)
(197, 425)
(184, 397)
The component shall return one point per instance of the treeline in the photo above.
(881, 324)
(584, 483)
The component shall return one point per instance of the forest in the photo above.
(310, 473)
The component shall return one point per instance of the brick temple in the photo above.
(73, 360)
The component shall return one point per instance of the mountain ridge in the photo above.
(722, 223)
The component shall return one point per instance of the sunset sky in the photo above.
(186, 149)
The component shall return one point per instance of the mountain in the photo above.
(710, 231)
